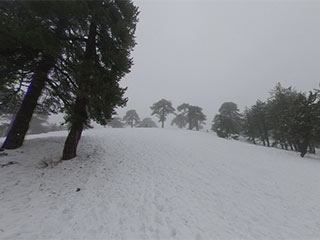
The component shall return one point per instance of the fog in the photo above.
(208, 52)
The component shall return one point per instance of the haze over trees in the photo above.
(162, 109)
(116, 122)
(288, 119)
(147, 123)
(193, 114)
(180, 120)
(255, 123)
(131, 118)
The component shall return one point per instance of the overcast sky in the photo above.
(207, 52)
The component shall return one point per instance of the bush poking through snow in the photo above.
(47, 162)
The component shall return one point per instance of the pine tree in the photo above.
(193, 114)
(180, 120)
(250, 125)
(162, 109)
(131, 118)
(79, 52)
(110, 40)
(289, 117)
(116, 122)
(228, 121)
(33, 35)
(147, 123)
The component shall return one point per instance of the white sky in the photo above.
(208, 52)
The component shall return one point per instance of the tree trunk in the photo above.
(197, 126)
(261, 136)
(267, 139)
(291, 147)
(304, 146)
(190, 124)
(71, 143)
(296, 146)
(312, 149)
(162, 124)
(79, 113)
(266, 135)
(20, 125)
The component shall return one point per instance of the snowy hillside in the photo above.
(158, 184)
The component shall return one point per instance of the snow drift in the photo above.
(157, 184)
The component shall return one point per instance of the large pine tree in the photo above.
(193, 114)
(110, 40)
(162, 109)
(131, 118)
(228, 121)
(33, 36)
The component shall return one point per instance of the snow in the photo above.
(158, 184)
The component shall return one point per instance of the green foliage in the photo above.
(31, 30)
(255, 124)
(228, 121)
(96, 73)
(290, 118)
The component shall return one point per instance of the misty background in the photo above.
(208, 52)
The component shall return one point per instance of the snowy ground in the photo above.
(158, 184)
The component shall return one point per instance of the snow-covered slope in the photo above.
(158, 184)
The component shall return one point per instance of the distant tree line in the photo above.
(132, 119)
(39, 124)
(288, 119)
(186, 115)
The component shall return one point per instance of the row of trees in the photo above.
(185, 114)
(288, 119)
(64, 56)
(132, 119)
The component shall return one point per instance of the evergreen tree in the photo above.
(116, 122)
(110, 40)
(162, 109)
(228, 121)
(33, 35)
(302, 127)
(81, 50)
(147, 123)
(193, 114)
(289, 118)
(131, 118)
(180, 121)
(255, 123)
(250, 128)
(282, 115)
